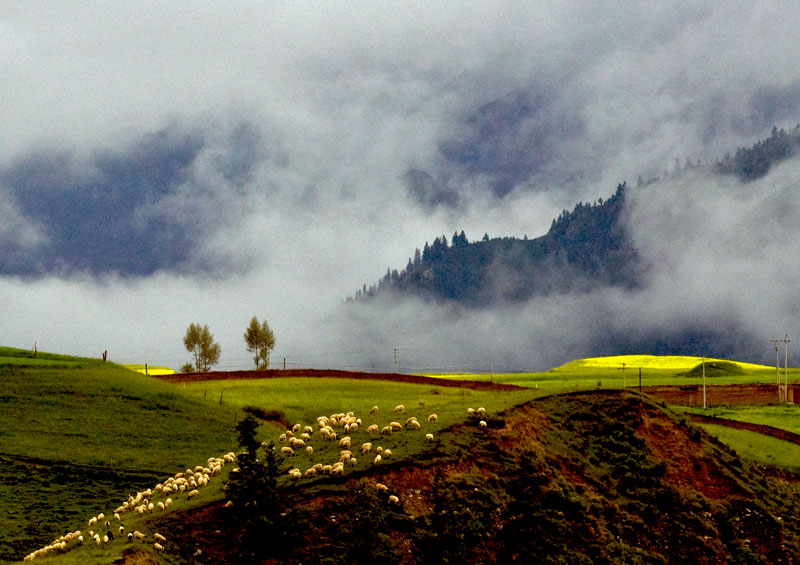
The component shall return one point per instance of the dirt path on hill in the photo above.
(739, 425)
(178, 378)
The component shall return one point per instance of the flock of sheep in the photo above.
(147, 501)
(341, 430)
(299, 439)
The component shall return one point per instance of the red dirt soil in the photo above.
(331, 374)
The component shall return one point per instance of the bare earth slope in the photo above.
(599, 477)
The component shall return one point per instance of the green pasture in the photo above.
(783, 416)
(608, 372)
(757, 447)
(301, 400)
(78, 436)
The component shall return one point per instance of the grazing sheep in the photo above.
(296, 428)
(354, 427)
(413, 425)
(193, 493)
(312, 472)
(379, 450)
(366, 448)
(372, 429)
(380, 487)
(282, 438)
(481, 411)
(396, 426)
(287, 451)
(168, 503)
(158, 547)
(159, 537)
(399, 408)
(308, 430)
(161, 505)
(130, 537)
(387, 453)
(433, 417)
(305, 436)
(309, 450)
(229, 504)
(344, 442)
(482, 424)
(411, 419)
(386, 430)
(470, 412)
(121, 530)
(377, 459)
(353, 461)
(394, 500)
(373, 410)
(428, 437)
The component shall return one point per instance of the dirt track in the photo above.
(758, 428)
(717, 395)
(332, 374)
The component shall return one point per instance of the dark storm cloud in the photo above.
(207, 164)
(133, 211)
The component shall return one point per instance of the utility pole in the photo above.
(777, 368)
(623, 375)
(786, 368)
(783, 391)
(395, 360)
(705, 405)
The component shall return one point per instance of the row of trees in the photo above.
(199, 341)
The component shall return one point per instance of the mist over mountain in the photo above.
(159, 169)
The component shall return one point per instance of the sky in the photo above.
(200, 162)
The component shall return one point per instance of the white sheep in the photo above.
(394, 500)
(309, 450)
(373, 410)
(413, 425)
(433, 417)
(193, 493)
(387, 453)
(428, 437)
(380, 487)
(470, 412)
(158, 547)
(399, 408)
(287, 451)
(481, 411)
(396, 426)
(372, 429)
(386, 430)
(344, 442)
(482, 424)
(159, 537)
(377, 459)
(366, 448)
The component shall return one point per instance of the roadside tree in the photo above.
(199, 341)
(260, 340)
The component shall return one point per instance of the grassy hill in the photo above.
(77, 435)
(590, 476)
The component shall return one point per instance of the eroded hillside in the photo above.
(582, 478)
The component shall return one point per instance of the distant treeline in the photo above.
(584, 249)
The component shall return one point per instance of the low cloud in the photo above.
(195, 164)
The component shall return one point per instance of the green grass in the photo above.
(607, 372)
(758, 447)
(783, 416)
(78, 435)
(75, 441)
